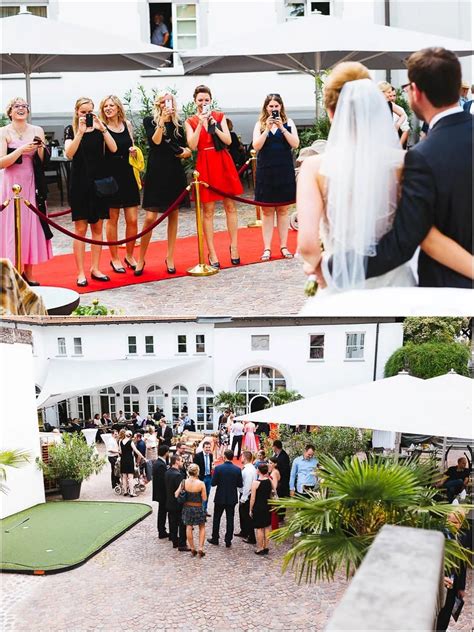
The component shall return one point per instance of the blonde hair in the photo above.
(193, 469)
(120, 109)
(343, 73)
(79, 102)
(157, 109)
(264, 115)
(384, 86)
(12, 102)
(121, 434)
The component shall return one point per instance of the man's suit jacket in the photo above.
(227, 479)
(283, 464)
(467, 106)
(199, 460)
(158, 480)
(173, 478)
(436, 191)
(167, 435)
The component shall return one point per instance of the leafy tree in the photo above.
(340, 521)
(235, 401)
(11, 458)
(319, 131)
(328, 440)
(72, 459)
(429, 359)
(433, 329)
(282, 396)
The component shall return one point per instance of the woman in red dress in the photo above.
(215, 167)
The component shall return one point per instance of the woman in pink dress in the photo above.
(250, 442)
(18, 148)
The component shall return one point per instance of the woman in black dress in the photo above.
(128, 196)
(127, 451)
(85, 147)
(274, 137)
(165, 178)
(259, 509)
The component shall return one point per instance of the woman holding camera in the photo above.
(165, 177)
(207, 131)
(127, 197)
(85, 142)
(274, 137)
(21, 158)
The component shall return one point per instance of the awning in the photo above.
(440, 406)
(66, 377)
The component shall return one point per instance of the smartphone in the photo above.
(206, 108)
(275, 113)
(37, 140)
(89, 120)
(169, 104)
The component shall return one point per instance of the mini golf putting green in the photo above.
(56, 536)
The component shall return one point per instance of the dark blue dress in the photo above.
(275, 180)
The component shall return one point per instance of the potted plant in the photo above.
(71, 462)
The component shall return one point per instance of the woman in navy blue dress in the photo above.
(274, 137)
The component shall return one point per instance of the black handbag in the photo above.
(183, 495)
(105, 187)
(219, 145)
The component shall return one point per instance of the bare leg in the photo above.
(232, 225)
(202, 536)
(172, 234)
(79, 248)
(190, 537)
(111, 234)
(259, 538)
(208, 228)
(266, 533)
(130, 484)
(125, 483)
(268, 214)
(131, 228)
(96, 230)
(150, 217)
(283, 224)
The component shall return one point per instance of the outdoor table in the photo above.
(90, 434)
(59, 301)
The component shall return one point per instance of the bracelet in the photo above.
(105, 131)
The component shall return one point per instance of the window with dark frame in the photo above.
(182, 343)
(200, 343)
(316, 347)
(132, 345)
(149, 344)
(181, 21)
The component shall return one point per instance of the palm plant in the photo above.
(227, 399)
(340, 521)
(11, 458)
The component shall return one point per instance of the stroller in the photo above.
(139, 484)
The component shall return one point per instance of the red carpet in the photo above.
(61, 271)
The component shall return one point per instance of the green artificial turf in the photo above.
(59, 535)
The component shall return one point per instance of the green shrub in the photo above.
(319, 131)
(72, 459)
(96, 309)
(433, 329)
(429, 359)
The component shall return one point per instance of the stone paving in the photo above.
(274, 288)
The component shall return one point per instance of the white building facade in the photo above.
(204, 22)
(181, 364)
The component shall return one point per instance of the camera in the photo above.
(275, 114)
(89, 119)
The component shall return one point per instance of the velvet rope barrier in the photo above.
(60, 213)
(244, 167)
(96, 242)
(4, 205)
(247, 201)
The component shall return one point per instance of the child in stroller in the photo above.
(139, 481)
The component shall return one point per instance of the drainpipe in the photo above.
(376, 350)
(387, 23)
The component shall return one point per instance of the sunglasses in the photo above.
(273, 94)
(405, 86)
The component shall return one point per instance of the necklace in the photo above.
(20, 135)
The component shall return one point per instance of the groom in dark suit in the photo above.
(227, 479)
(437, 176)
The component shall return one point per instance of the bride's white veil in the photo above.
(360, 162)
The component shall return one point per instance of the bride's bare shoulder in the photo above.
(311, 166)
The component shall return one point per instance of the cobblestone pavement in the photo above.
(275, 288)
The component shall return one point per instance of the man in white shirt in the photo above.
(249, 475)
(237, 432)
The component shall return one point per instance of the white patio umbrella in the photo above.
(315, 43)
(396, 404)
(35, 44)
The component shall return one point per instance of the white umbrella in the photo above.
(396, 404)
(35, 44)
(314, 43)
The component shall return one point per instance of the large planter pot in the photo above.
(70, 488)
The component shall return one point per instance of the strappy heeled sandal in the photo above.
(267, 255)
(286, 253)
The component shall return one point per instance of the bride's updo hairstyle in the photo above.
(342, 73)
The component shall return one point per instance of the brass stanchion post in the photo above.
(258, 210)
(16, 188)
(201, 269)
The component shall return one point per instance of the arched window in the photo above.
(107, 400)
(179, 400)
(131, 401)
(259, 380)
(155, 398)
(205, 408)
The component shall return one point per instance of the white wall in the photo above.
(19, 427)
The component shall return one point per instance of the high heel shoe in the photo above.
(129, 265)
(138, 272)
(201, 553)
(83, 283)
(103, 278)
(168, 269)
(236, 261)
(120, 270)
(28, 281)
(214, 264)
(193, 552)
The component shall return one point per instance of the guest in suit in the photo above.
(227, 479)
(164, 432)
(284, 468)
(249, 475)
(205, 459)
(159, 489)
(469, 107)
(173, 480)
(437, 178)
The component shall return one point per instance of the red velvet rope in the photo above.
(243, 168)
(60, 213)
(5, 204)
(247, 201)
(96, 242)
